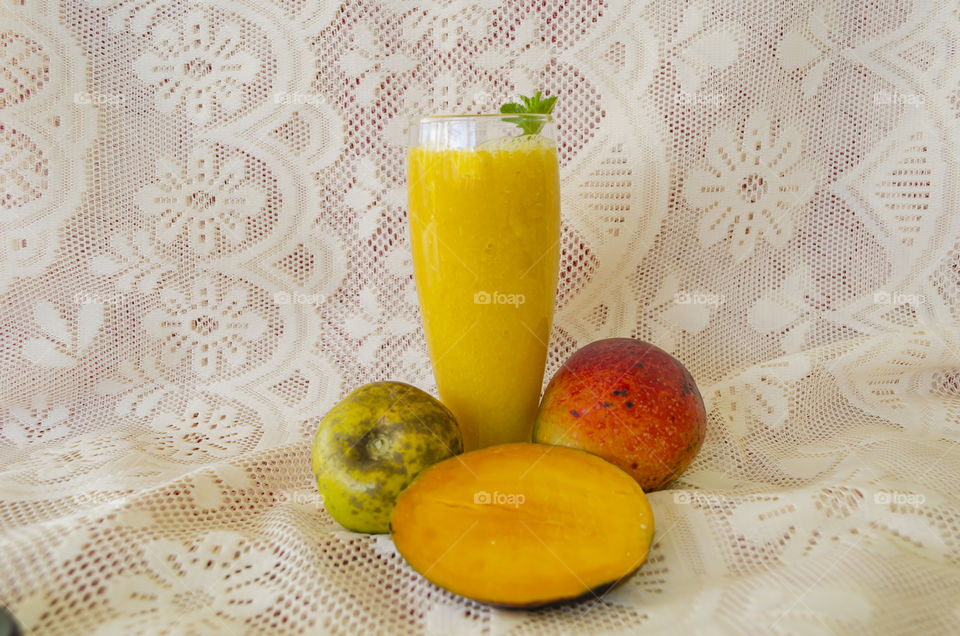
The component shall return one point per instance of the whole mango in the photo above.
(629, 402)
(372, 444)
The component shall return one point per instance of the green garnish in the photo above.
(532, 106)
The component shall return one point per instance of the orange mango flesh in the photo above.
(523, 524)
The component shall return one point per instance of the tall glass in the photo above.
(484, 199)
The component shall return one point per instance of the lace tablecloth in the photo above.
(204, 247)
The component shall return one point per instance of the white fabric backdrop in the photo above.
(204, 247)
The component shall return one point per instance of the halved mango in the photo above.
(523, 525)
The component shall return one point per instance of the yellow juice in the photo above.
(485, 231)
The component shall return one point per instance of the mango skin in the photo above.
(372, 444)
(629, 402)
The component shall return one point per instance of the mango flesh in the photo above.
(629, 402)
(523, 525)
(372, 444)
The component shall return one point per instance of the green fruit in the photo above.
(372, 444)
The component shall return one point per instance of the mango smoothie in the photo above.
(485, 230)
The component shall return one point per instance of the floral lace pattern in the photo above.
(751, 188)
(205, 204)
(212, 325)
(201, 66)
(209, 587)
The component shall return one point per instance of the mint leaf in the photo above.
(531, 105)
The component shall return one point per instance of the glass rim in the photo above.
(545, 117)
